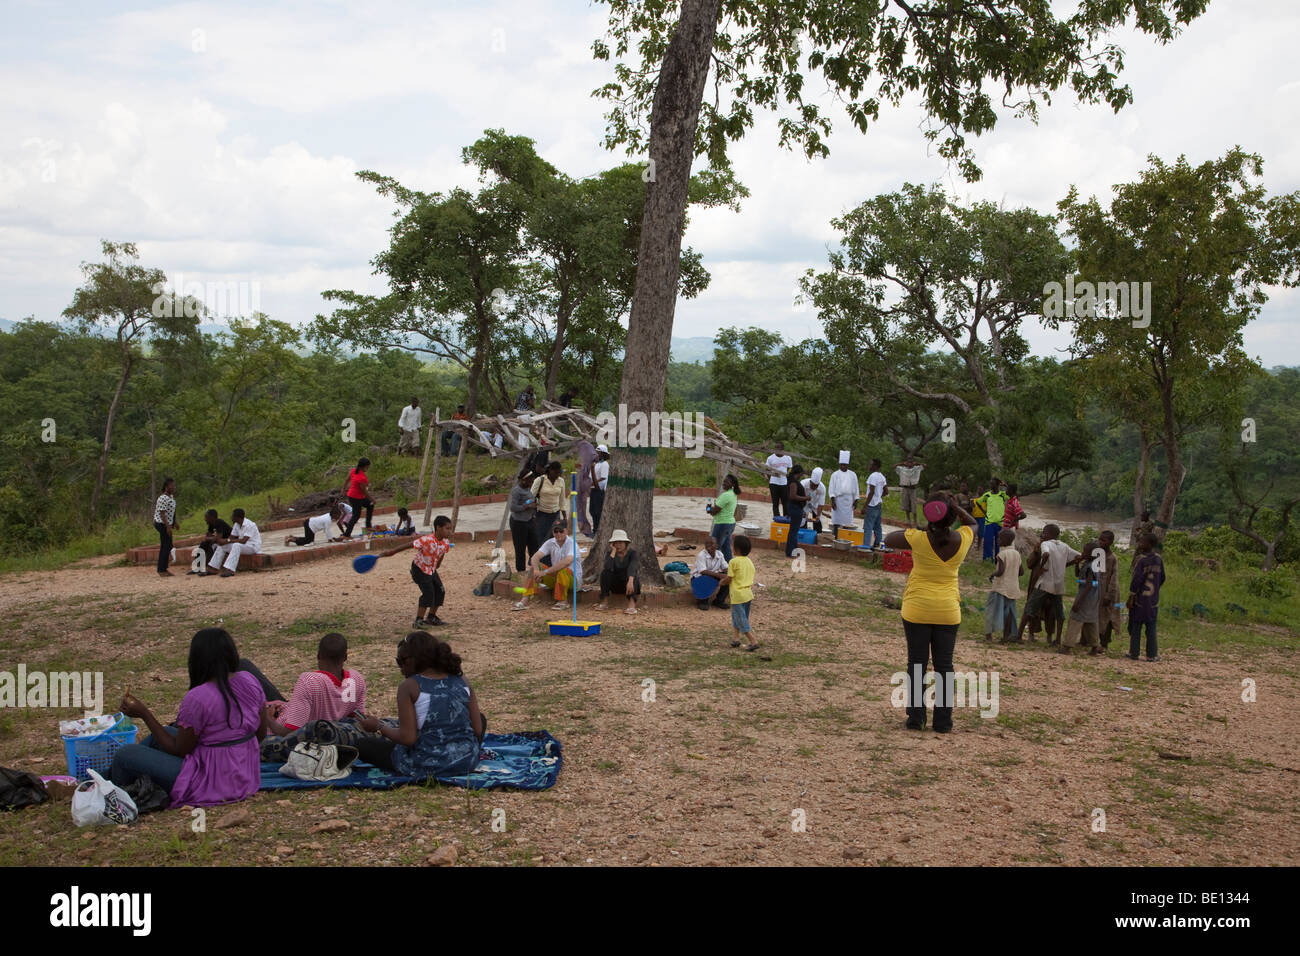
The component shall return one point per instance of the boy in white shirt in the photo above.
(877, 488)
(1045, 598)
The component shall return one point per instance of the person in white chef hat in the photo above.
(844, 490)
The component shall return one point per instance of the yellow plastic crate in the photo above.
(778, 531)
(854, 537)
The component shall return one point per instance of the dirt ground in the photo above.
(1088, 761)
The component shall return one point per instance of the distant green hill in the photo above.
(698, 349)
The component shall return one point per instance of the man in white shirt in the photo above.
(244, 539)
(779, 463)
(556, 563)
(409, 426)
(877, 488)
(711, 563)
(844, 492)
(599, 479)
(815, 489)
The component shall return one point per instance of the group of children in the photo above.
(1096, 612)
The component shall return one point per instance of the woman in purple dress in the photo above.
(211, 754)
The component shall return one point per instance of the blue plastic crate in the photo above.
(96, 753)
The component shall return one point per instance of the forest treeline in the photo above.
(923, 306)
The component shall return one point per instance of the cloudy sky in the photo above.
(224, 139)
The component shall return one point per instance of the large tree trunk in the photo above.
(1177, 470)
(1140, 485)
(674, 117)
(108, 436)
(557, 347)
(478, 362)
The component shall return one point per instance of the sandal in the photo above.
(560, 606)
(519, 606)
(631, 610)
(735, 643)
(751, 647)
(601, 607)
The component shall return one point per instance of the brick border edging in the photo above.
(148, 554)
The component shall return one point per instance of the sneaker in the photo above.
(419, 622)
(1134, 657)
(943, 728)
(1153, 660)
(519, 606)
(560, 606)
(914, 724)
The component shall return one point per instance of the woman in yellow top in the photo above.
(932, 604)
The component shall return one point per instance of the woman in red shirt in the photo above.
(357, 490)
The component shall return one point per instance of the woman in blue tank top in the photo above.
(439, 726)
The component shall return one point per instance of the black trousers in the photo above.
(432, 593)
(357, 504)
(524, 536)
(792, 539)
(377, 750)
(612, 582)
(597, 505)
(778, 498)
(308, 535)
(926, 641)
(164, 546)
(267, 687)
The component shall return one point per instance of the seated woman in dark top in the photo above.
(620, 572)
(439, 727)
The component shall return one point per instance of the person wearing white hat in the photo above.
(815, 489)
(599, 479)
(619, 575)
(843, 490)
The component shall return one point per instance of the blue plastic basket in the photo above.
(96, 753)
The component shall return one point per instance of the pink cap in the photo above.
(935, 510)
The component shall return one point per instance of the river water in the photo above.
(1043, 510)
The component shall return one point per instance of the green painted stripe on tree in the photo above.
(637, 484)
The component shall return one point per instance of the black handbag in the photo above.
(20, 789)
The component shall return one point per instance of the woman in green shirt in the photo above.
(723, 510)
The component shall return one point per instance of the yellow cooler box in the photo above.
(779, 532)
(844, 534)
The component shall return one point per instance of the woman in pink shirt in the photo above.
(210, 754)
(357, 489)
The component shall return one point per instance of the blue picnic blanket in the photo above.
(524, 761)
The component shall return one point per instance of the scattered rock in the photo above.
(852, 853)
(331, 826)
(770, 834)
(234, 818)
(443, 856)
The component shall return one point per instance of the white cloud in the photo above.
(237, 162)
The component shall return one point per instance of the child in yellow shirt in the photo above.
(740, 579)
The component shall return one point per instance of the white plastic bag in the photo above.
(99, 801)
